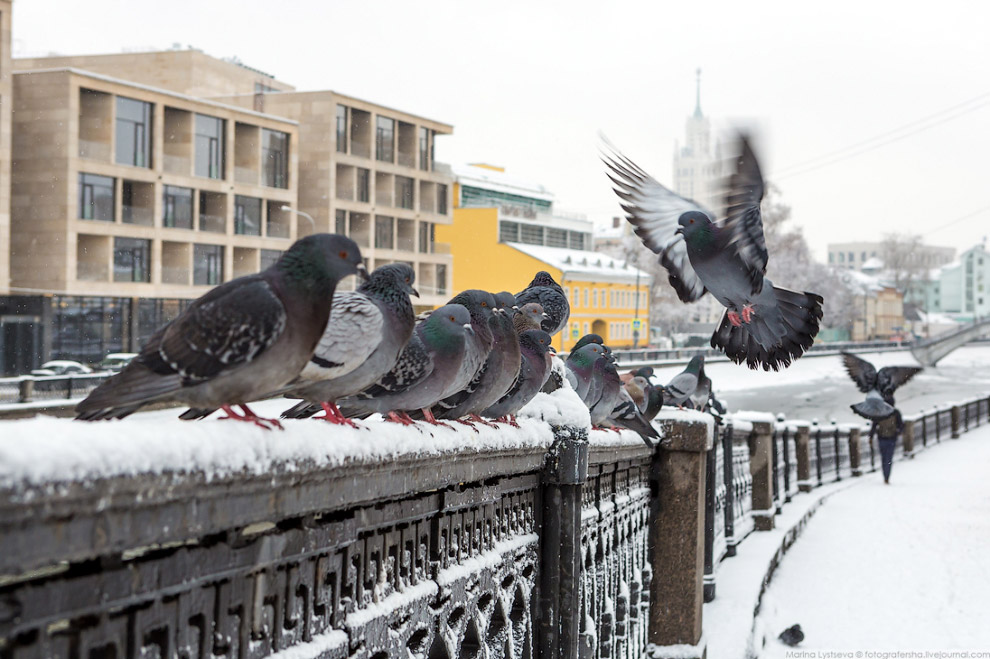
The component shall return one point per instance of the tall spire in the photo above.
(697, 105)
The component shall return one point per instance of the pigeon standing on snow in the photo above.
(579, 366)
(547, 292)
(238, 342)
(367, 330)
(680, 388)
(424, 370)
(879, 386)
(533, 371)
(763, 325)
(699, 397)
(627, 412)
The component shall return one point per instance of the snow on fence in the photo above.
(803, 456)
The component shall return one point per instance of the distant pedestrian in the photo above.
(887, 430)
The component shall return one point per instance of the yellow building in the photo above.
(504, 231)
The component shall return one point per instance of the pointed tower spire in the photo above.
(697, 105)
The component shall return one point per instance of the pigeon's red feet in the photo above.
(478, 419)
(467, 423)
(249, 416)
(334, 415)
(508, 419)
(400, 417)
(432, 420)
(747, 313)
(734, 318)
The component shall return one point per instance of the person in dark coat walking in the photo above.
(887, 430)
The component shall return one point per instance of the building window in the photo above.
(586, 304)
(133, 132)
(441, 279)
(427, 236)
(207, 265)
(177, 207)
(831, 257)
(269, 257)
(275, 158)
(209, 146)
(594, 298)
(576, 240)
(508, 232)
(842, 257)
(442, 199)
(852, 257)
(363, 184)
(384, 234)
(340, 222)
(341, 129)
(247, 216)
(385, 139)
(131, 259)
(424, 149)
(404, 192)
(530, 234)
(95, 197)
(556, 238)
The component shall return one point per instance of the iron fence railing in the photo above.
(27, 388)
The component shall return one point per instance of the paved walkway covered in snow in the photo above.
(898, 567)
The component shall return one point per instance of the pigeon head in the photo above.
(447, 324)
(392, 277)
(696, 227)
(536, 340)
(505, 301)
(646, 372)
(641, 382)
(585, 355)
(478, 303)
(529, 316)
(586, 339)
(320, 260)
(696, 364)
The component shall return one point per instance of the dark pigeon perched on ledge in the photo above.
(534, 368)
(548, 293)
(240, 341)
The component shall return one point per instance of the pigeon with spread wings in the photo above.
(763, 325)
(879, 386)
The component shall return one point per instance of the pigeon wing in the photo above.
(861, 371)
(890, 378)
(654, 211)
(413, 366)
(226, 328)
(743, 223)
(353, 332)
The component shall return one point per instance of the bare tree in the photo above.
(901, 260)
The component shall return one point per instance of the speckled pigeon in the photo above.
(533, 372)
(544, 290)
(496, 375)
(763, 325)
(680, 388)
(238, 342)
(879, 386)
(367, 330)
(425, 368)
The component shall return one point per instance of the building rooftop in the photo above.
(581, 262)
(498, 181)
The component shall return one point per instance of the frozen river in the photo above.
(818, 387)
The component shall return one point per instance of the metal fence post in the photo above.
(677, 536)
(778, 499)
(710, 486)
(854, 452)
(908, 439)
(787, 462)
(560, 573)
(954, 416)
(803, 456)
(938, 425)
(818, 450)
(760, 468)
(924, 430)
(838, 453)
(730, 493)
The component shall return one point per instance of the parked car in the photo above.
(61, 367)
(116, 361)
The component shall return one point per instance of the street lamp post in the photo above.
(309, 217)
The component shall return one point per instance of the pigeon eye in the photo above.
(453, 319)
(692, 220)
(407, 280)
(343, 255)
(484, 304)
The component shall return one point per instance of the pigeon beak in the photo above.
(679, 230)
(468, 328)
(362, 271)
(414, 291)
(552, 350)
(545, 315)
(515, 307)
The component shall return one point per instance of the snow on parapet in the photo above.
(560, 408)
(686, 416)
(752, 416)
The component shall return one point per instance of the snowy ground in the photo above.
(881, 568)
(818, 387)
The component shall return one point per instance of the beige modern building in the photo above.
(857, 255)
(368, 171)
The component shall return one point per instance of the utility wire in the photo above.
(958, 219)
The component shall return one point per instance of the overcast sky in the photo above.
(528, 86)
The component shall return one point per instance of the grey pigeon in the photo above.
(699, 397)
(579, 366)
(528, 316)
(480, 305)
(763, 325)
(879, 386)
(627, 413)
(425, 368)
(498, 372)
(547, 292)
(680, 388)
(654, 401)
(610, 392)
(552, 384)
(534, 369)
(367, 330)
(239, 341)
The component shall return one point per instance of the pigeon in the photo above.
(604, 394)
(425, 369)
(879, 386)
(680, 388)
(627, 412)
(792, 635)
(239, 341)
(498, 372)
(699, 397)
(533, 371)
(637, 388)
(544, 290)
(763, 325)
(480, 305)
(654, 401)
(367, 330)
(579, 366)
(528, 316)
(645, 371)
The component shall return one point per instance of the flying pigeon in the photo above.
(879, 386)
(425, 369)
(679, 389)
(763, 325)
(238, 342)
(533, 371)
(367, 330)
(496, 375)
(547, 292)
